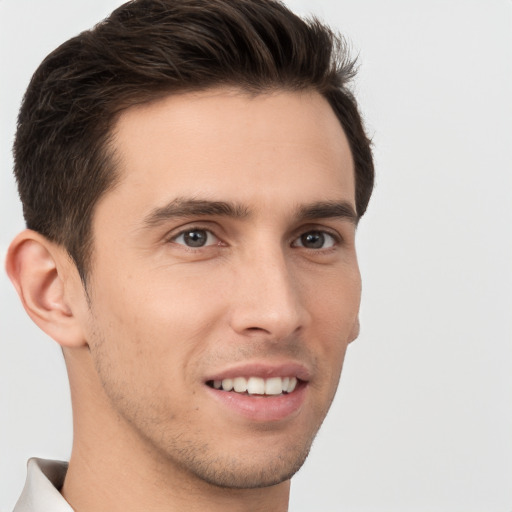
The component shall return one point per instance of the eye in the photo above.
(195, 238)
(315, 240)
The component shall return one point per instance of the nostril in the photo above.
(267, 317)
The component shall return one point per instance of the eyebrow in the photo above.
(182, 208)
(329, 209)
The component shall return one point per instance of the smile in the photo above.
(256, 385)
(260, 391)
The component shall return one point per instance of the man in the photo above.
(192, 173)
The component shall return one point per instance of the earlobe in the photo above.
(354, 333)
(38, 268)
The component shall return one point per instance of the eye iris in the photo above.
(313, 240)
(196, 238)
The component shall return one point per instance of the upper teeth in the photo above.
(257, 385)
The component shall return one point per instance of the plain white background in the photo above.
(423, 417)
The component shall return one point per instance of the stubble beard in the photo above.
(188, 453)
(197, 460)
(230, 472)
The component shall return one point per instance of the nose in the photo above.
(268, 299)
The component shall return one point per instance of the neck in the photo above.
(112, 467)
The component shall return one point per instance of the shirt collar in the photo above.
(41, 491)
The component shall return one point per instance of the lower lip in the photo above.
(263, 408)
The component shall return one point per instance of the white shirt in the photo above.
(41, 491)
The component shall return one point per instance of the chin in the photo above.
(247, 472)
(251, 477)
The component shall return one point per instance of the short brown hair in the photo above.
(147, 49)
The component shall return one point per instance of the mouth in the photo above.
(260, 392)
(273, 386)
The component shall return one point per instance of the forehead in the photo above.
(223, 142)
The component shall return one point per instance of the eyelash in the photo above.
(336, 238)
(192, 229)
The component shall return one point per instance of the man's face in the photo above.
(225, 256)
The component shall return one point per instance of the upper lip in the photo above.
(264, 370)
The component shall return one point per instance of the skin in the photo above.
(160, 318)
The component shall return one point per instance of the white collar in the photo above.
(41, 491)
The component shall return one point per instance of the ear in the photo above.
(354, 333)
(42, 274)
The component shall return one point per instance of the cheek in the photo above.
(334, 300)
(335, 310)
(151, 326)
